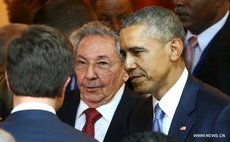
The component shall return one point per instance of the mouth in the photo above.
(181, 13)
(91, 89)
(91, 86)
(135, 78)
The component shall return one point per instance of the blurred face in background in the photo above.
(113, 12)
(99, 70)
(197, 15)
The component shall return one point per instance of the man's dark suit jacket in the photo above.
(41, 126)
(214, 65)
(118, 127)
(202, 109)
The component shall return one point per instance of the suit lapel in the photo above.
(182, 122)
(119, 127)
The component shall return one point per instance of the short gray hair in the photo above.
(160, 23)
(95, 28)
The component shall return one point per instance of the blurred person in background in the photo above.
(209, 24)
(112, 12)
(65, 15)
(23, 11)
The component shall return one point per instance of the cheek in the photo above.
(80, 77)
(111, 82)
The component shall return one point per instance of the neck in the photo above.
(172, 77)
(25, 99)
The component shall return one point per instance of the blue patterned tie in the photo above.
(159, 115)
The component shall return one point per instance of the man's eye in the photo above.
(137, 51)
(103, 65)
(81, 62)
(106, 20)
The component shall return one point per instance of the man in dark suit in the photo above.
(101, 81)
(210, 23)
(181, 106)
(39, 63)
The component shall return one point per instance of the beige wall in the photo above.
(3, 14)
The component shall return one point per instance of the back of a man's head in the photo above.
(65, 15)
(39, 62)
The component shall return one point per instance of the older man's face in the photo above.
(99, 70)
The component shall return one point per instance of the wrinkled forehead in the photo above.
(114, 5)
(97, 47)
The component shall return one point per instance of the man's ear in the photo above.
(176, 46)
(7, 82)
(64, 87)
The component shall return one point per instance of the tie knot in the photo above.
(159, 114)
(92, 115)
(193, 41)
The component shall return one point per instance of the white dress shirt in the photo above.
(33, 106)
(170, 101)
(107, 111)
(204, 38)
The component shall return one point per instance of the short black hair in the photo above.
(39, 62)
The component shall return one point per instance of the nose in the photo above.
(90, 73)
(129, 63)
(178, 2)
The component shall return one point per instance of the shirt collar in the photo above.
(33, 106)
(170, 100)
(206, 36)
(106, 110)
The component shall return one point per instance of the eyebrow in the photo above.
(136, 48)
(99, 57)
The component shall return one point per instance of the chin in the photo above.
(141, 90)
